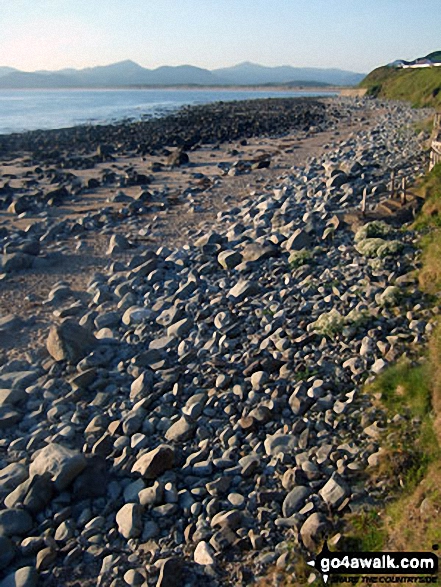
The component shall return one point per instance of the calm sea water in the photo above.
(22, 110)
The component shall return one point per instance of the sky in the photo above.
(356, 35)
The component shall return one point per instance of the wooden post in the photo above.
(363, 201)
(403, 190)
(392, 184)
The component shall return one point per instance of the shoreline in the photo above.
(159, 111)
(260, 88)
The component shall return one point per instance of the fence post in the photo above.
(403, 190)
(363, 201)
(392, 184)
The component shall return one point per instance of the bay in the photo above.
(25, 110)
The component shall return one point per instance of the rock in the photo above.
(389, 297)
(70, 342)
(337, 180)
(9, 416)
(204, 554)
(335, 491)
(181, 430)
(118, 244)
(142, 386)
(129, 520)
(12, 397)
(11, 322)
(378, 366)
(258, 379)
(298, 240)
(64, 464)
(170, 574)
(136, 315)
(11, 476)
(45, 558)
(17, 379)
(178, 158)
(280, 443)
(93, 479)
(229, 259)
(7, 552)
(242, 290)
(314, 530)
(23, 577)
(34, 493)
(14, 521)
(180, 329)
(295, 500)
(16, 262)
(256, 252)
(152, 464)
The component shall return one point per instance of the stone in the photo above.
(180, 329)
(313, 530)
(243, 289)
(23, 577)
(11, 476)
(337, 180)
(170, 573)
(70, 342)
(231, 518)
(12, 397)
(34, 493)
(298, 240)
(15, 521)
(204, 554)
(152, 464)
(335, 491)
(16, 262)
(118, 244)
(258, 379)
(280, 443)
(141, 386)
(45, 558)
(64, 464)
(178, 158)
(229, 259)
(295, 500)
(10, 323)
(9, 416)
(7, 552)
(136, 315)
(256, 252)
(181, 430)
(129, 520)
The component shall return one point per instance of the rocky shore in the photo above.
(193, 411)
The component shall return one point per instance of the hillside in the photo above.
(421, 87)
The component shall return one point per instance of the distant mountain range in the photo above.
(129, 74)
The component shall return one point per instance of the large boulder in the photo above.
(62, 463)
(152, 464)
(70, 342)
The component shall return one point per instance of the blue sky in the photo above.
(351, 34)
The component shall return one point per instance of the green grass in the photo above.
(421, 87)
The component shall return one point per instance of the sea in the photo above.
(25, 110)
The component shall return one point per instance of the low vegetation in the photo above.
(409, 463)
(421, 87)
(410, 394)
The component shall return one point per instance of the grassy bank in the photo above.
(409, 462)
(410, 394)
(421, 87)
